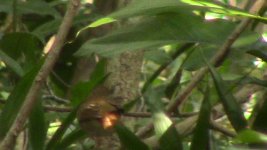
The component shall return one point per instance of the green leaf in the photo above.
(171, 140)
(158, 56)
(231, 107)
(22, 46)
(56, 138)
(71, 138)
(251, 136)
(260, 53)
(101, 21)
(37, 127)
(194, 62)
(161, 123)
(260, 122)
(80, 91)
(200, 139)
(15, 100)
(129, 140)
(11, 63)
(147, 7)
(174, 28)
(37, 7)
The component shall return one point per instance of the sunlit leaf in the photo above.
(161, 123)
(101, 22)
(250, 136)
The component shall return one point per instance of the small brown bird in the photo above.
(98, 114)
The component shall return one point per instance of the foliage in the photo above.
(178, 39)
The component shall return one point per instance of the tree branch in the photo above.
(10, 139)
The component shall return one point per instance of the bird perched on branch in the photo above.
(98, 113)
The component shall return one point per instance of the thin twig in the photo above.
(217, 59)
(56, 99)
(31, 98)
(58, 109)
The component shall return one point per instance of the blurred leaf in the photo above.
(194, 62)
(200, 139)
(259, 53)
(174, 28)
(80, 91)
(161, 123)
(29, 7)
(50, 27)
(15, 100)
(251, 136)
(47, 28)
(37, 7)
(71, 138)
(147, 7)
(56, 138)
(22, 46)
(157, 56)
(171, 140)
(129, 140)
(231, 107)
(260, 121)
(37, 127)
(11, 63)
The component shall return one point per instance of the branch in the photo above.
(56, 99)
(216, 126)
(218, 58)
(31, 98)
(58, 109)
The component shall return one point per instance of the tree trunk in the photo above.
(124, 70)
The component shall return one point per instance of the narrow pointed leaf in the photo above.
(15, 100)
(56, 138)
(201, 133)
(171, 140)
(251, 136)
(71, 138)
(37, 127)
(260, 122)
(231, 107)
(129, 140)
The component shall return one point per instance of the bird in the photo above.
(98, 113)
